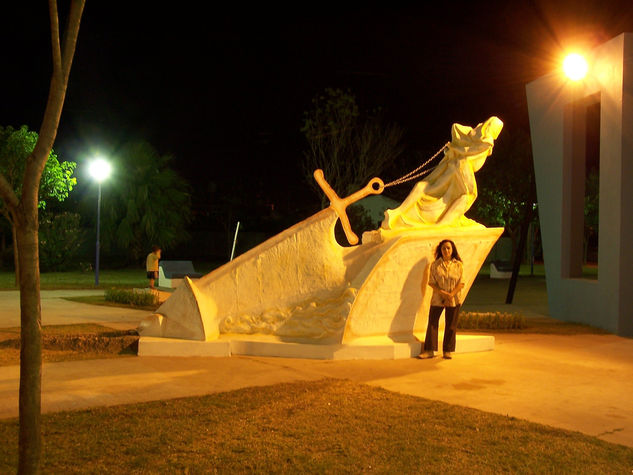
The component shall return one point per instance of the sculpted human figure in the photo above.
(448, 192)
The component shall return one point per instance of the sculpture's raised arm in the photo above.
(450, 190)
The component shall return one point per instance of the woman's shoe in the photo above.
(426, 354)
(448, 355)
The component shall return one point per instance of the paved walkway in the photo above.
(582, 383)
(56, 310)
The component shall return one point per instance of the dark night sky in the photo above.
(223, 90)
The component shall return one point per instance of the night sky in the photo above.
(223, 89)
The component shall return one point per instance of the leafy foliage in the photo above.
(60, 238)
(359, 219)
(145, 203)
(506, 185)
(15, 147)
(592, 186)
(349, 146)
(592, 211)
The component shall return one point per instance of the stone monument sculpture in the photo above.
(301, 294)
(449, 191)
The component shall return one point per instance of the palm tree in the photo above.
(148, 202)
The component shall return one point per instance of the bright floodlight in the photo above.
(100, 169)
(575, 67)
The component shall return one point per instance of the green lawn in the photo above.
(589, 271)
(120, 278)
(327, 426)
(81, 280)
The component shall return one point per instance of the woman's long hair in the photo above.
(438, 250)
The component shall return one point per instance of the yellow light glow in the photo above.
(100, 169)
(575, 66)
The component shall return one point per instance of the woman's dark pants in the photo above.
(450, 329)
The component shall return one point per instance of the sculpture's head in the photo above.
(492, 128)
(486, 133)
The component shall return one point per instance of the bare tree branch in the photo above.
(54, 19)
(56, 97)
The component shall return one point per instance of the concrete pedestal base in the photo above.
(374, 348)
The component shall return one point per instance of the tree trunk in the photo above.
(24, 212)
(30, 345)
(518, 256)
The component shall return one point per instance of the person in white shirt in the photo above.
(445, 278)
(151, 265)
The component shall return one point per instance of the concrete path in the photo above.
(56, 310)
(582, 383)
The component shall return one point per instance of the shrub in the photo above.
(490, 321)
(132, 297)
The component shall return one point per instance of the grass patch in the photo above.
(327, 426)
(524, 270)
(125, 278)
(100, 300)
(71, 342)
(551, 326)
(132, 297)
(530, 292)
(490, 321)
(536, 325)
(118, 278)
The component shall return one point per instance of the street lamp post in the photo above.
(99, 170)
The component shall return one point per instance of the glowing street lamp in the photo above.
(575, 66)
(99, 170)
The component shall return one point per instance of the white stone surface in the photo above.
(369, 290)
(197, 322)
(450, 189)
(499, 274)
(558, 125)
(394, 297)
(301, 294)
(374, 348)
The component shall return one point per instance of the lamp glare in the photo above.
(100, 169)
(575, 66)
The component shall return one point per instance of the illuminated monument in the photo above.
(301, 294)
(562, 116)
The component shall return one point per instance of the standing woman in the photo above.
(446, 281)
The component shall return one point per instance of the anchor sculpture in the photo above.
(340, 204)
(301, 294)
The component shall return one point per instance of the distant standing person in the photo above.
(151, 264)
(445, 278)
